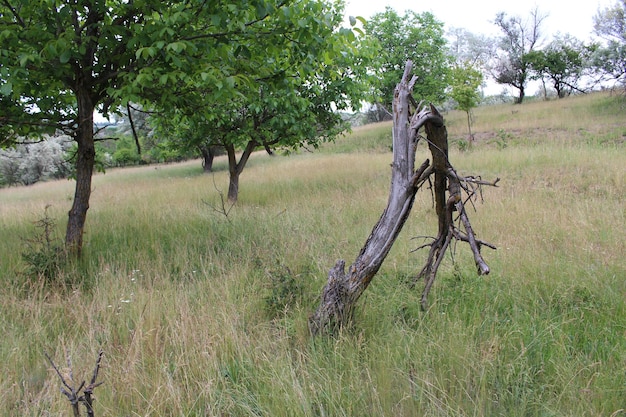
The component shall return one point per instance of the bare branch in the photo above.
(69, 390)
(72, 393)
(87, 397)
(224, 208)
(132, 128)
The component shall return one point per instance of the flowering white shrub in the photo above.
(29, 163)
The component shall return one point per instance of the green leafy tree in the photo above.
(62, 60)
(465, 89)
(563, 63)
(519, 38)
(610, 59)
(418, 37)
(294, 87)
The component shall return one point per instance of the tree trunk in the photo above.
(447, 189)
(438, 145)
(85, 159)
(469, 126)
(233, 186)
(236, 168)
(208, 154)
(343, 288)
(522, 94)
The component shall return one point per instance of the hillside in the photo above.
(199, 313)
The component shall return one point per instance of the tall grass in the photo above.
(186, 302)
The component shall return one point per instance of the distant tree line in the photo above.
(565, 64)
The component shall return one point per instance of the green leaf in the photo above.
(51, 49)
(6, 89)
(65, 56)
(146, 52)
(243, 52)
(352, 21)
(25, 59)
(261, 10)
(144, 79)
(177, 47)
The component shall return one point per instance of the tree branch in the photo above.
(72, 393)
(14, 12)
(132, 128)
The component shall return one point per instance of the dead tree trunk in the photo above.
(344, 288)
(448, 188)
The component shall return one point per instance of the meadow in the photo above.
(199, 313)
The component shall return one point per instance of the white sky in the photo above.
(564, 16)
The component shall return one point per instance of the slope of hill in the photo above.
(203, 313)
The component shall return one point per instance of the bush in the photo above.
(284, 291)
(44, 254)
(126, 156)
(27, 164)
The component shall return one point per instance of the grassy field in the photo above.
(202, 314)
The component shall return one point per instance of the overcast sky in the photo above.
(564, 16)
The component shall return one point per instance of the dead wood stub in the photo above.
(72, 393)
(343, 288)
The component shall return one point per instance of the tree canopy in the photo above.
(610, 24)
(562, 63)
(470, 48)
(416, 37)
(62, 60)
(464, 89)
(289, 98)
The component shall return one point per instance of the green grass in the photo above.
(193, 312)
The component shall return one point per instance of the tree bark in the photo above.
(208, 154)
(469, 126)
(521, 94)
(85, 160)
(447, 189)
(236, 168)
(343, 288)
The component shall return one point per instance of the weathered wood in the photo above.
(447, 189)
(344, 288)
(71, 392)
